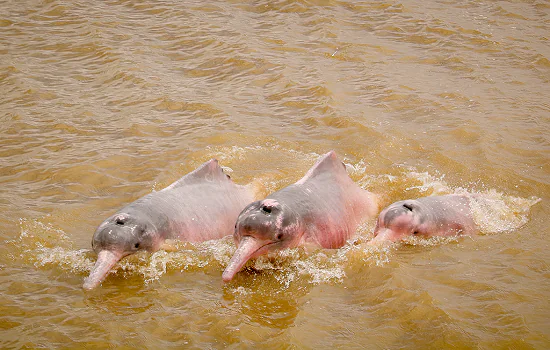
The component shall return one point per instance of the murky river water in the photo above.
(102, 102)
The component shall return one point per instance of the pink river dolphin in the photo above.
(201, 206)
(447, 215)
(323, 208)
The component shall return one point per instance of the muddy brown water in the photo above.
(103, 102)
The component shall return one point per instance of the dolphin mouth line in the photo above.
(105, 261)
(246, 250)
(265, 245)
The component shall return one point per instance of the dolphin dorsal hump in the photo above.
(328, 163)
(209, 171)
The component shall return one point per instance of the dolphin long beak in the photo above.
(105, 261)
(247, 247)
(382, 236)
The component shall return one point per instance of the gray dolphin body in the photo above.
(447, 215)
(202, 205)
(324, 208)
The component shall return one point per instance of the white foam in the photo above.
(430, 184)
(495, 212)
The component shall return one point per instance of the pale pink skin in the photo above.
(201, 206)
(323, 209)
(447, 215)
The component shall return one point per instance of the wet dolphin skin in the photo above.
(202, 205)
(324, 208)
(446, 215)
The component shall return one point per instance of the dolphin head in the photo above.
(400, 220)
(125, 233)
(262, 226)
(120, 235)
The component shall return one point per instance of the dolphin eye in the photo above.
(279, 236)
(136, 245)
(415, 232)
(408, 206)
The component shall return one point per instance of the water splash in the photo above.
(496, 212)
(429, 184)
(493, 211)
(42, 245)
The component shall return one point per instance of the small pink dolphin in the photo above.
(201, 206)
(447, 215)
(324, 208)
